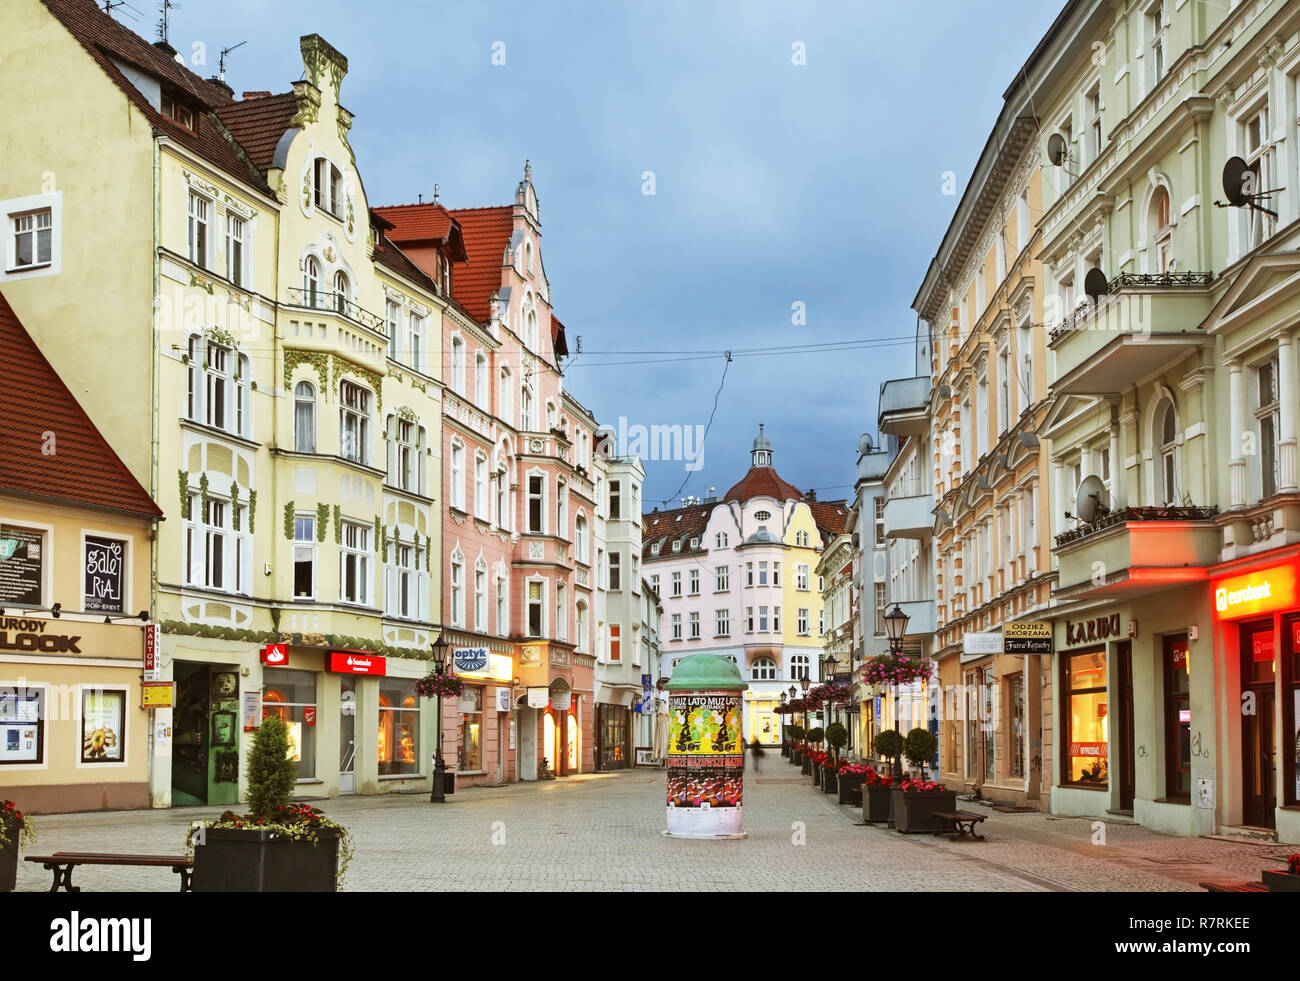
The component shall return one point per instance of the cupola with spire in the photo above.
(761, 454)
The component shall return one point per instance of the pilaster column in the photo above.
(1056, 507)
(1286, 373)
(1116, 467)
(1237, 415)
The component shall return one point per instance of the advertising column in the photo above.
(706, 762)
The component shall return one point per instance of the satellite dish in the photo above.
(1095, 285)
(1235, 173)
(1091, 501)
(1056, 149)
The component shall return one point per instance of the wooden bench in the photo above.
(62, 864)
(958, 824)
(1233, 886)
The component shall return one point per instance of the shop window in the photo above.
(291, 697)
(1016, 733)
(1085, 707)
(1291, 710)
(23, 552)
(103, 725)
(469, 743)
(613, 734)
(22, 726)
(399, 727)
(1178, 718)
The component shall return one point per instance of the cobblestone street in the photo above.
(603, 832)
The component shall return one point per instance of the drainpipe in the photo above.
(153, 450)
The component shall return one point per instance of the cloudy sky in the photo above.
(775, 184)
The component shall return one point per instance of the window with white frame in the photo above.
(1259, 152)
(304, 556)
(457, 589)
(503, 606)
(1004, 390)
(502, 478)
(561, 509)
(1160, 232)
(1155, 36)
(354, 422)
(801, 621)
(720, 539)
(1092, 119)
(616, 643)
(536, 504)
(481, 380)
(722, 623)
(1025, 361)
(480, 596)
(677, 626)
(33, 239)
(799, 666)
(821, 621)
(236, 249)
(762, 619)
(764, 669)
(481, 505)
(654, 582)
(456, 475)
(879, 511)
(458, 366)
(403, 467)
(1067, 173)
(801, 577)
(580, 626)
(506, 397)
(526, 420)
(722, 579)
(615, 500)
(402, 596)
(749, 573)
(615, 571)
(694, 626)
(776, 619)
(342, 293)
(1270, 420)
(416, 350)
(1167, 422)
(676, 584)
(311, 283)
(880, 609)
(393, 326)
(354, 563)
(749, 619)
(199, 211)
(304, 417)
(327, 186)
(580, 538)
(694, 582)
(636, 574)
(776, 573)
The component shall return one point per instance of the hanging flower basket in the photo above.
(832, 693)
(439, 686)
(895, 669)
(15, 828)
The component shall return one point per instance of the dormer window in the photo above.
(654, 549)
(695, 543)
(178, 111)
(763, 516)
(677, 545)
(328, 186)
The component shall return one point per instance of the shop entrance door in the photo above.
(1258, 738)
(526, 755)
(1127, 778)
(347, 736)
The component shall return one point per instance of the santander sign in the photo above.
(357, 662)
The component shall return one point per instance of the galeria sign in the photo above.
(1255, 592)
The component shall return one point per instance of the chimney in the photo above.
(259, 94)
(221, 84)
(320, 57)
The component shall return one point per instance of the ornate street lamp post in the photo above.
(803, 683)
(442, 663)
(785, 746)
(829, 664)
(896, 627)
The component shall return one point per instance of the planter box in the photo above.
(1275, 881)
(805, 765)
(817, 774)
(914, 812)
(9, 858)
(850, 788)
(255, 860)
(830, 780)
(877, 804)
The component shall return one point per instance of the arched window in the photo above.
(1161, 233)
(311, 282)
(342, 295)
(1167, 434)
(480, 380)
(456, 492)
(304, 417)
(526, 422)
(580, 538)
(354, 422)
(457, 589)
(550, 415)
(580, 626)
(503, 497)
(328, 186)
(458, 366)
(528, 256)
(799, 666)
(481, 486)
(506, 396)
(764, 669)
(530, 328)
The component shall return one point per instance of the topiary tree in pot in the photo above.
(889, 743)
(837, 737)
(919, 748)
(278, 846)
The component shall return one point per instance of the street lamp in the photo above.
(785, 747)
(442, 664)
(829, 664)
(803, 683)
(896, 627)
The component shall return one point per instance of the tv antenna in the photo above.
(164, 9)
(1241, 187)
(111, 5)
(221, 61)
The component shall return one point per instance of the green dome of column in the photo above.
(706, 671)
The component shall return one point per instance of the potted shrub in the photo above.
(919, 747)
(16, 828)
(915, 802)
(812, 737)
(837, 737)
(1287, 880)
(795, 732)
(277, 846)
(889, 745)
(877, 797)
(849, 779)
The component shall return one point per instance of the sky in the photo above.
(796, 152)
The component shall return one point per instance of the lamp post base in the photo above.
(439, 795)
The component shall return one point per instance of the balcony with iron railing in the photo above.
(339, 303)
(1142, 321)
(1137, 549)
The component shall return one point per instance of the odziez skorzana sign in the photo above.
(29, 635)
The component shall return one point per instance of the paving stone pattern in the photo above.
(603, 832)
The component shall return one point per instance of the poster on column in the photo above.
(705, 751)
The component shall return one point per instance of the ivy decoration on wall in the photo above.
(184, 478)
(234, 505)
(338, 525)
(252, 509)
(322, 521)
(219, 335)
(379, 538)
(372, 378)
(203, 496)
(428, 550)
(407, 413)
(319, 360)
(288, 521)
(385, 555)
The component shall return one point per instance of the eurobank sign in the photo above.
(1255, 593)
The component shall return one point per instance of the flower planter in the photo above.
(256, 860)
(9, 857)
(914, 811)
(850, 788)
(805, 765)
(817, 774)
(830, 780)
(877, 804)
(1275, 881)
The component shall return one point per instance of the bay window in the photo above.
(354, 422)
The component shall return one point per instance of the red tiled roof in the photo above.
(83, 469)
(831, 518)
(487, 232)
(424, 223)
(666, 527)
(763, 482)
(258, 124)
(106, 39)
(388, 254)
(559, 343)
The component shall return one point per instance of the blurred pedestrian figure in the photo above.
(756, 751)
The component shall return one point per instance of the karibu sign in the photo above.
(1087, 631)
(1033, 637)
(1263, 591)
(352, 662)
